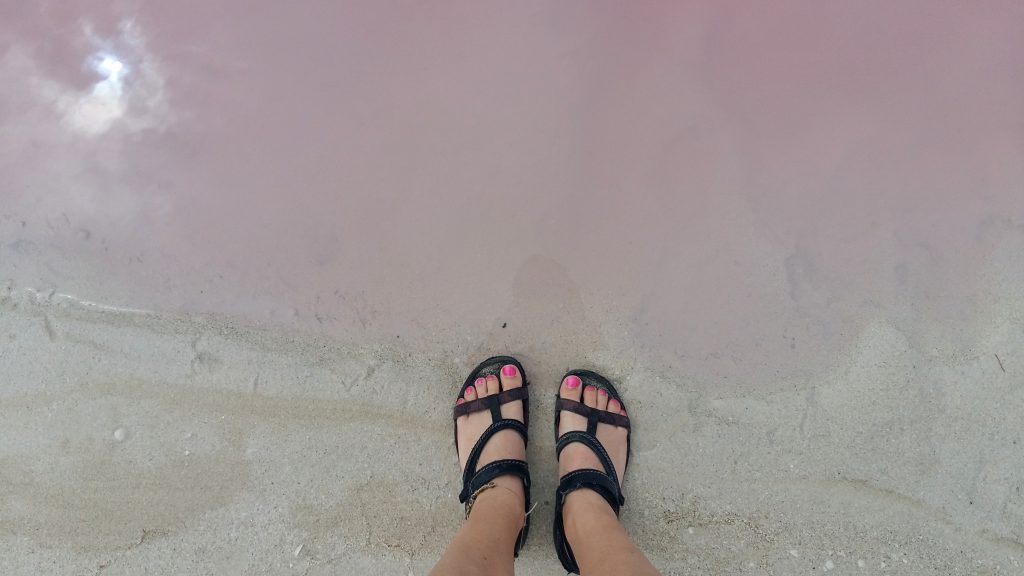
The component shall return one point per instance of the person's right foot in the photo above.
(576, 456)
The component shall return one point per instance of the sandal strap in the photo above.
(593, 415)
(492, 402)
(491, 471)
(605, 486)
(595, 446)
(470, 474)
(595, 480)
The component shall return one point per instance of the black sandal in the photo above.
(605, 483)
(473, 480)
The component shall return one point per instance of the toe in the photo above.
(590, 396)
(469, 393)
(602, 399)
(614, 406)
(481, 387)
(572, 388)
(493, 386)
(510, 378)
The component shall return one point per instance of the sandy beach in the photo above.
(143, 443)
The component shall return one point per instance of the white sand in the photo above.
(139, 443)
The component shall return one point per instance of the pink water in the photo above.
(736, 191)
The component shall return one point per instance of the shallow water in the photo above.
(729, 187)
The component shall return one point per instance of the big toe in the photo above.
(571, 389)
(511, 378)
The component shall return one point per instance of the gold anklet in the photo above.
(488, 486)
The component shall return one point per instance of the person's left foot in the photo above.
(506, 444)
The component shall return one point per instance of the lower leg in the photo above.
(598, 541)
(486, 542)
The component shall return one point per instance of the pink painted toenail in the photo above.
(602, 392)
(573, 382)
(480, 381)
(459, 401)
(590, 388)
(508, 370)
(468, 391)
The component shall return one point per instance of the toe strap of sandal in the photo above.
(592, 415)
(492, 402)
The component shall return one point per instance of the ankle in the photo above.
(585, 512)
(501, 505)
